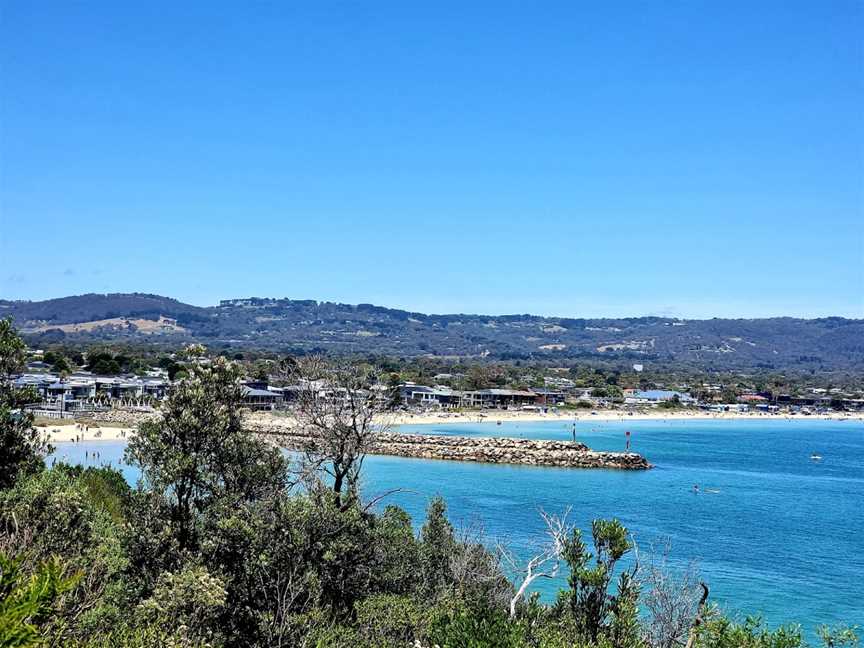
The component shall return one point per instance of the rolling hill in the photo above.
(306, 325)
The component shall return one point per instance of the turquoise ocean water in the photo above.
(778, 534)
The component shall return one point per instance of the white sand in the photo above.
(493, 416)
(65, 431)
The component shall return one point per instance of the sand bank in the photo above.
(65, 431)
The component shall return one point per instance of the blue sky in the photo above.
(692, 159)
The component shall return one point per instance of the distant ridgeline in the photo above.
(298, 326)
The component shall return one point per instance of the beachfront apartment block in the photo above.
(447, 398)
(656, 396)
(83, 390)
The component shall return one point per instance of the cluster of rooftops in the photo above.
(412, 394)
(82, 387)
(83, 390)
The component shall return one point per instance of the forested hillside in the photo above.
(307, 325)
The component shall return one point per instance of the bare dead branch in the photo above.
(339, 416)
(547, 562)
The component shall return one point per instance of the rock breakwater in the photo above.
(496, 450)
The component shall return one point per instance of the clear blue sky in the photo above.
(693, 159)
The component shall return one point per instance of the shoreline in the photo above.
(68, 432)
(493, 416)
(65, 432)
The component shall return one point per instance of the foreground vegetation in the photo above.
(224, 543)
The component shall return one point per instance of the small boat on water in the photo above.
(815, 457)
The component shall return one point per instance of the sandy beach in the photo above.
(65, 431)
(492, 416)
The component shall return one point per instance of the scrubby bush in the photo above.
(62, 512)
(27, 599)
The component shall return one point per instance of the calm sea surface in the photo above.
(778, 533)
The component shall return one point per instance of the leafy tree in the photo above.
(261, 370)
(596, 612)
(484, 377)
(22, 448)
(394, 399)
(61, 365)
(672, 403)
(105, 366)
(198, 451)
(437, 544)
(729, 395)
(397, 552)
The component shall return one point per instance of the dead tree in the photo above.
(340, 419)
(544, 564)
(476, 570)
(672, 601)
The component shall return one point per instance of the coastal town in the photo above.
(431, 325)
(66, 395)
(89, 403)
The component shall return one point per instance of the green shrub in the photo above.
(192, 600)
(462, 627)
(26, 601)
(389, 618)
(722, 632)
(53, 513)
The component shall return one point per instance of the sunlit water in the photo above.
(773, 531)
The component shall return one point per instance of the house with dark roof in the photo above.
(260, 399)
(548, 396)
(498, 398)
(438, 396)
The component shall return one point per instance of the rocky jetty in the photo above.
(495, 450)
